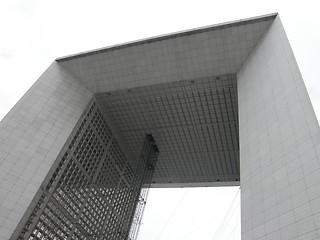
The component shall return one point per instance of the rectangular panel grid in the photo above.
(213, 50)
(195, 123)
(92, 191)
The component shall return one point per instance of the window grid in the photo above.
(92, 192)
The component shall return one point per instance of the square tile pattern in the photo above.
(210, 51)
(187, 89)
(279, 145)
(91, 191)
(194, 123)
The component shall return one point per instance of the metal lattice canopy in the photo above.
(182, 89)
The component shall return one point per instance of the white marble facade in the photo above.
(279, 136)
(279, 145)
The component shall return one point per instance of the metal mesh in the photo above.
(93, 191)
(146, 167)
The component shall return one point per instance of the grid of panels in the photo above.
(194, 121)
(92, 192)
(148, 158)
(215, 50)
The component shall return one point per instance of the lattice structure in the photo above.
(146, 167)
(92, 192)
(221, 101)
(191, 119)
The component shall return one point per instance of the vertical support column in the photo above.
(279, 145)
(91, 191)
(146, 168)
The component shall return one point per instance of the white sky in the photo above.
(192, 214)
(35, 32)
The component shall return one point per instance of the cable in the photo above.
(225, 224)
(174, 211)
(196, 229)
(236, 226)
(226, 218)
(232, 233)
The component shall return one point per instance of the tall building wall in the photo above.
(32, 135)
(279, 145)
(90, 191)
(279, 137)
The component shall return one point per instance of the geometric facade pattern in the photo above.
(226, 105)
(191, 119)
(91, 192)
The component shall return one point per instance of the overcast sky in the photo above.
(35, 32)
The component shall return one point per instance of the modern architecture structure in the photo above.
(224, 104)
